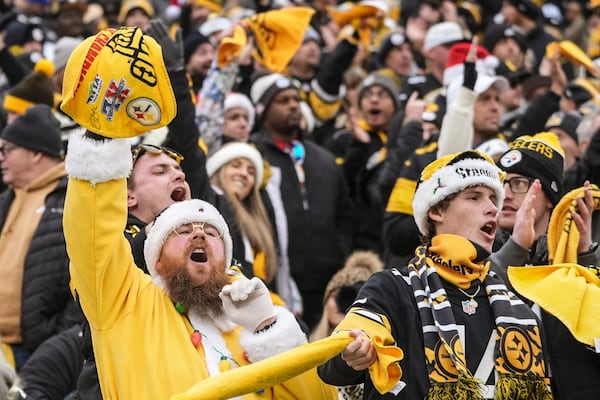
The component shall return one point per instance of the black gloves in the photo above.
(172, 50)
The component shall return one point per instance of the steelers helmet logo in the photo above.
(443, 361)
(517, 350)
(144, 110)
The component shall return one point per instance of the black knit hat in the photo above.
(191, 43)
(34, 88)
(36, 130)
(495, 33)
(18, 33)
(540, 156)
(527, 8)
(392, 40)
(567, 121)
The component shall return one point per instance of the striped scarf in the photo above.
(518, 353)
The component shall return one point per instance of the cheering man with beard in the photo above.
(156, 335)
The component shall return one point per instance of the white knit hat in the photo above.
(451, 174)
(231, 151)
(178, 214)
(442, 33)
(233, 100)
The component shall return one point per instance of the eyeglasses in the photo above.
(208, 227)
(7, 148)
(380, 94)
(519, 184)
(150, 148)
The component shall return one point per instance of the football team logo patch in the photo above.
(144, 111)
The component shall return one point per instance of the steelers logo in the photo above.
(144, 110)
(516, 350)
(444, 364)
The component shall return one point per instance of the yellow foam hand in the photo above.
(269, 372)
(116, 84)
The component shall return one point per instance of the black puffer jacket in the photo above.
(47, 306)
(321, 236)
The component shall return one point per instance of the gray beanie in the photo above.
(385, 78)
(37, 130)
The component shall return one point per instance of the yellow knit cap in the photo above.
(116, 84)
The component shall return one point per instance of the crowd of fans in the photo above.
(309, 130)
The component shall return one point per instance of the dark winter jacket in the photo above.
(320, 236)
(47, 305)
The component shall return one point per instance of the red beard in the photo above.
(202, 297)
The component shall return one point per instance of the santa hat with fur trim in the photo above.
(452, 174)
(178, 214)
(234, 150)
(486, 63)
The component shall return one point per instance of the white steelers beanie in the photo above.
(175, 215)
(233, 100)
(231, 151)
(451, 174)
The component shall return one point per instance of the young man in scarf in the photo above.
(473, 338)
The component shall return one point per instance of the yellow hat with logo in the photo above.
(116, 84)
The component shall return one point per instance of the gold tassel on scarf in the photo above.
(517, 387)
(464, 388)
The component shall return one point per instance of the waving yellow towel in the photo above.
(563, 235)
(278, 34)
(568, 291)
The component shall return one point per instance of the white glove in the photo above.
(7, 377)
(247, 303)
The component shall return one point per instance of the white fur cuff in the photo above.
(98, 161)
(284, 335)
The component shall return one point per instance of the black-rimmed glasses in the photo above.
(519, 184)
(150, 148)
(7, 148)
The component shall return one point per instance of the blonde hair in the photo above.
(251, 217)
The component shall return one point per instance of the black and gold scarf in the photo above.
(518, 352)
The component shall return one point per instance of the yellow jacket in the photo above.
(141, 343)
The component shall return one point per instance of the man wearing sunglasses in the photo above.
(533, 187)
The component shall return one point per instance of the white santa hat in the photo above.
(177, 214)
(485, 64)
